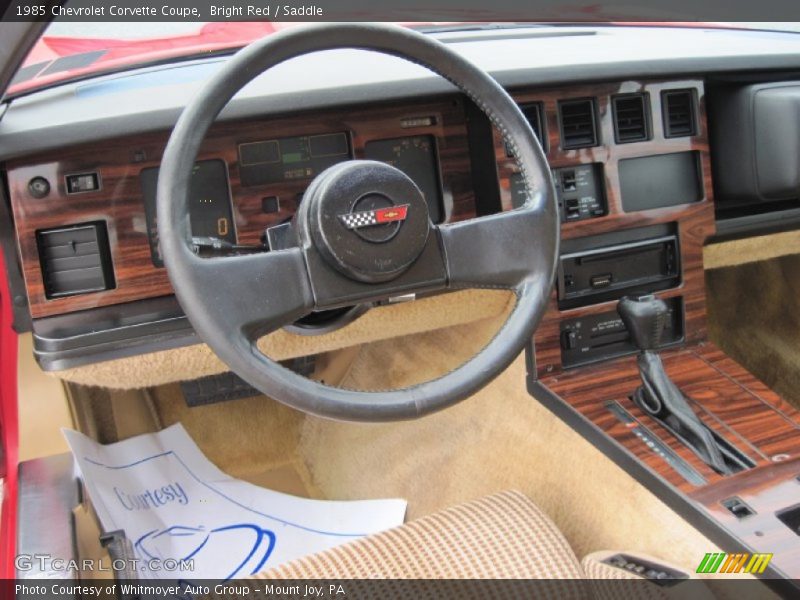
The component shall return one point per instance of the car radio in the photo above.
(604, 267)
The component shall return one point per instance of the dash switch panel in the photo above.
(579, 190)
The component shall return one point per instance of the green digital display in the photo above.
(291, 158)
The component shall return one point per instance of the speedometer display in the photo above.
(209, 204)
(416, 157)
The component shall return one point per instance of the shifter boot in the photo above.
(644, 318)
(662, 399)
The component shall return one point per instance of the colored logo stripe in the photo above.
(722, 562)
(758, 564)
(391, 214)
(711, 562)
(367, 218)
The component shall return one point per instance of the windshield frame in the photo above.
(214, 39)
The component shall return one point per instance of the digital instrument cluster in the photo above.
(285, 159)
(277, 161)
(210, 209)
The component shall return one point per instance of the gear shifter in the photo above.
(645, 317)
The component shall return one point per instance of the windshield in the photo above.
(72, 50)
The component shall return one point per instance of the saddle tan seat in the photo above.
(503, 536)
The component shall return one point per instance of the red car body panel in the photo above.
(8, 429)
(119, 54)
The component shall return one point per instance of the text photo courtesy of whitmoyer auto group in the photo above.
(401, 299)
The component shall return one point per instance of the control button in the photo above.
(39, 187)
(568, 181)
(83, 182)
(569, 339)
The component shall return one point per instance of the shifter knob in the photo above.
(644, 317)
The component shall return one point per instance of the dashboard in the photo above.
(630, 155)
(250, 176)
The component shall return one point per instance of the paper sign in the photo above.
(178, 509)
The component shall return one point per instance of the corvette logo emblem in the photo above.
(380, 216)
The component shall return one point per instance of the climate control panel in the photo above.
(579, 190)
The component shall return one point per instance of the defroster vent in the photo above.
(75, 259)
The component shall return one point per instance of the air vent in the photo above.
(679, 117)
(75, 259)
(578, 123)
(631, 118)
(534, 113)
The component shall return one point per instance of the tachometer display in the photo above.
(416, 157)
(210, 208)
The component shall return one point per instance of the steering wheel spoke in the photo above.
(497, 251)
(249, 291)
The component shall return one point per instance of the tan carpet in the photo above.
(499, 439)
(754, 316)
(254, 439)
(43, 407)
(751, 249)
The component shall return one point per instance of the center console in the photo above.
(632, 170)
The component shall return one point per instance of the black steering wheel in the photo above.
(363, 234)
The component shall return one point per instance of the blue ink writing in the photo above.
(154, 498)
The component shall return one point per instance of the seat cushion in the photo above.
(503, 536)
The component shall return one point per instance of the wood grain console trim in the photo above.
(695, 221)
(735, 405)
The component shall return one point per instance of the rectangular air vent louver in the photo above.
(631, 118)
(679, 113)
(75, 259)
(578, 123)
(534, 113)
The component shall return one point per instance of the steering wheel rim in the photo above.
(231, 303)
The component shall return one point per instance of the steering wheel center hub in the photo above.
(367, 219)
